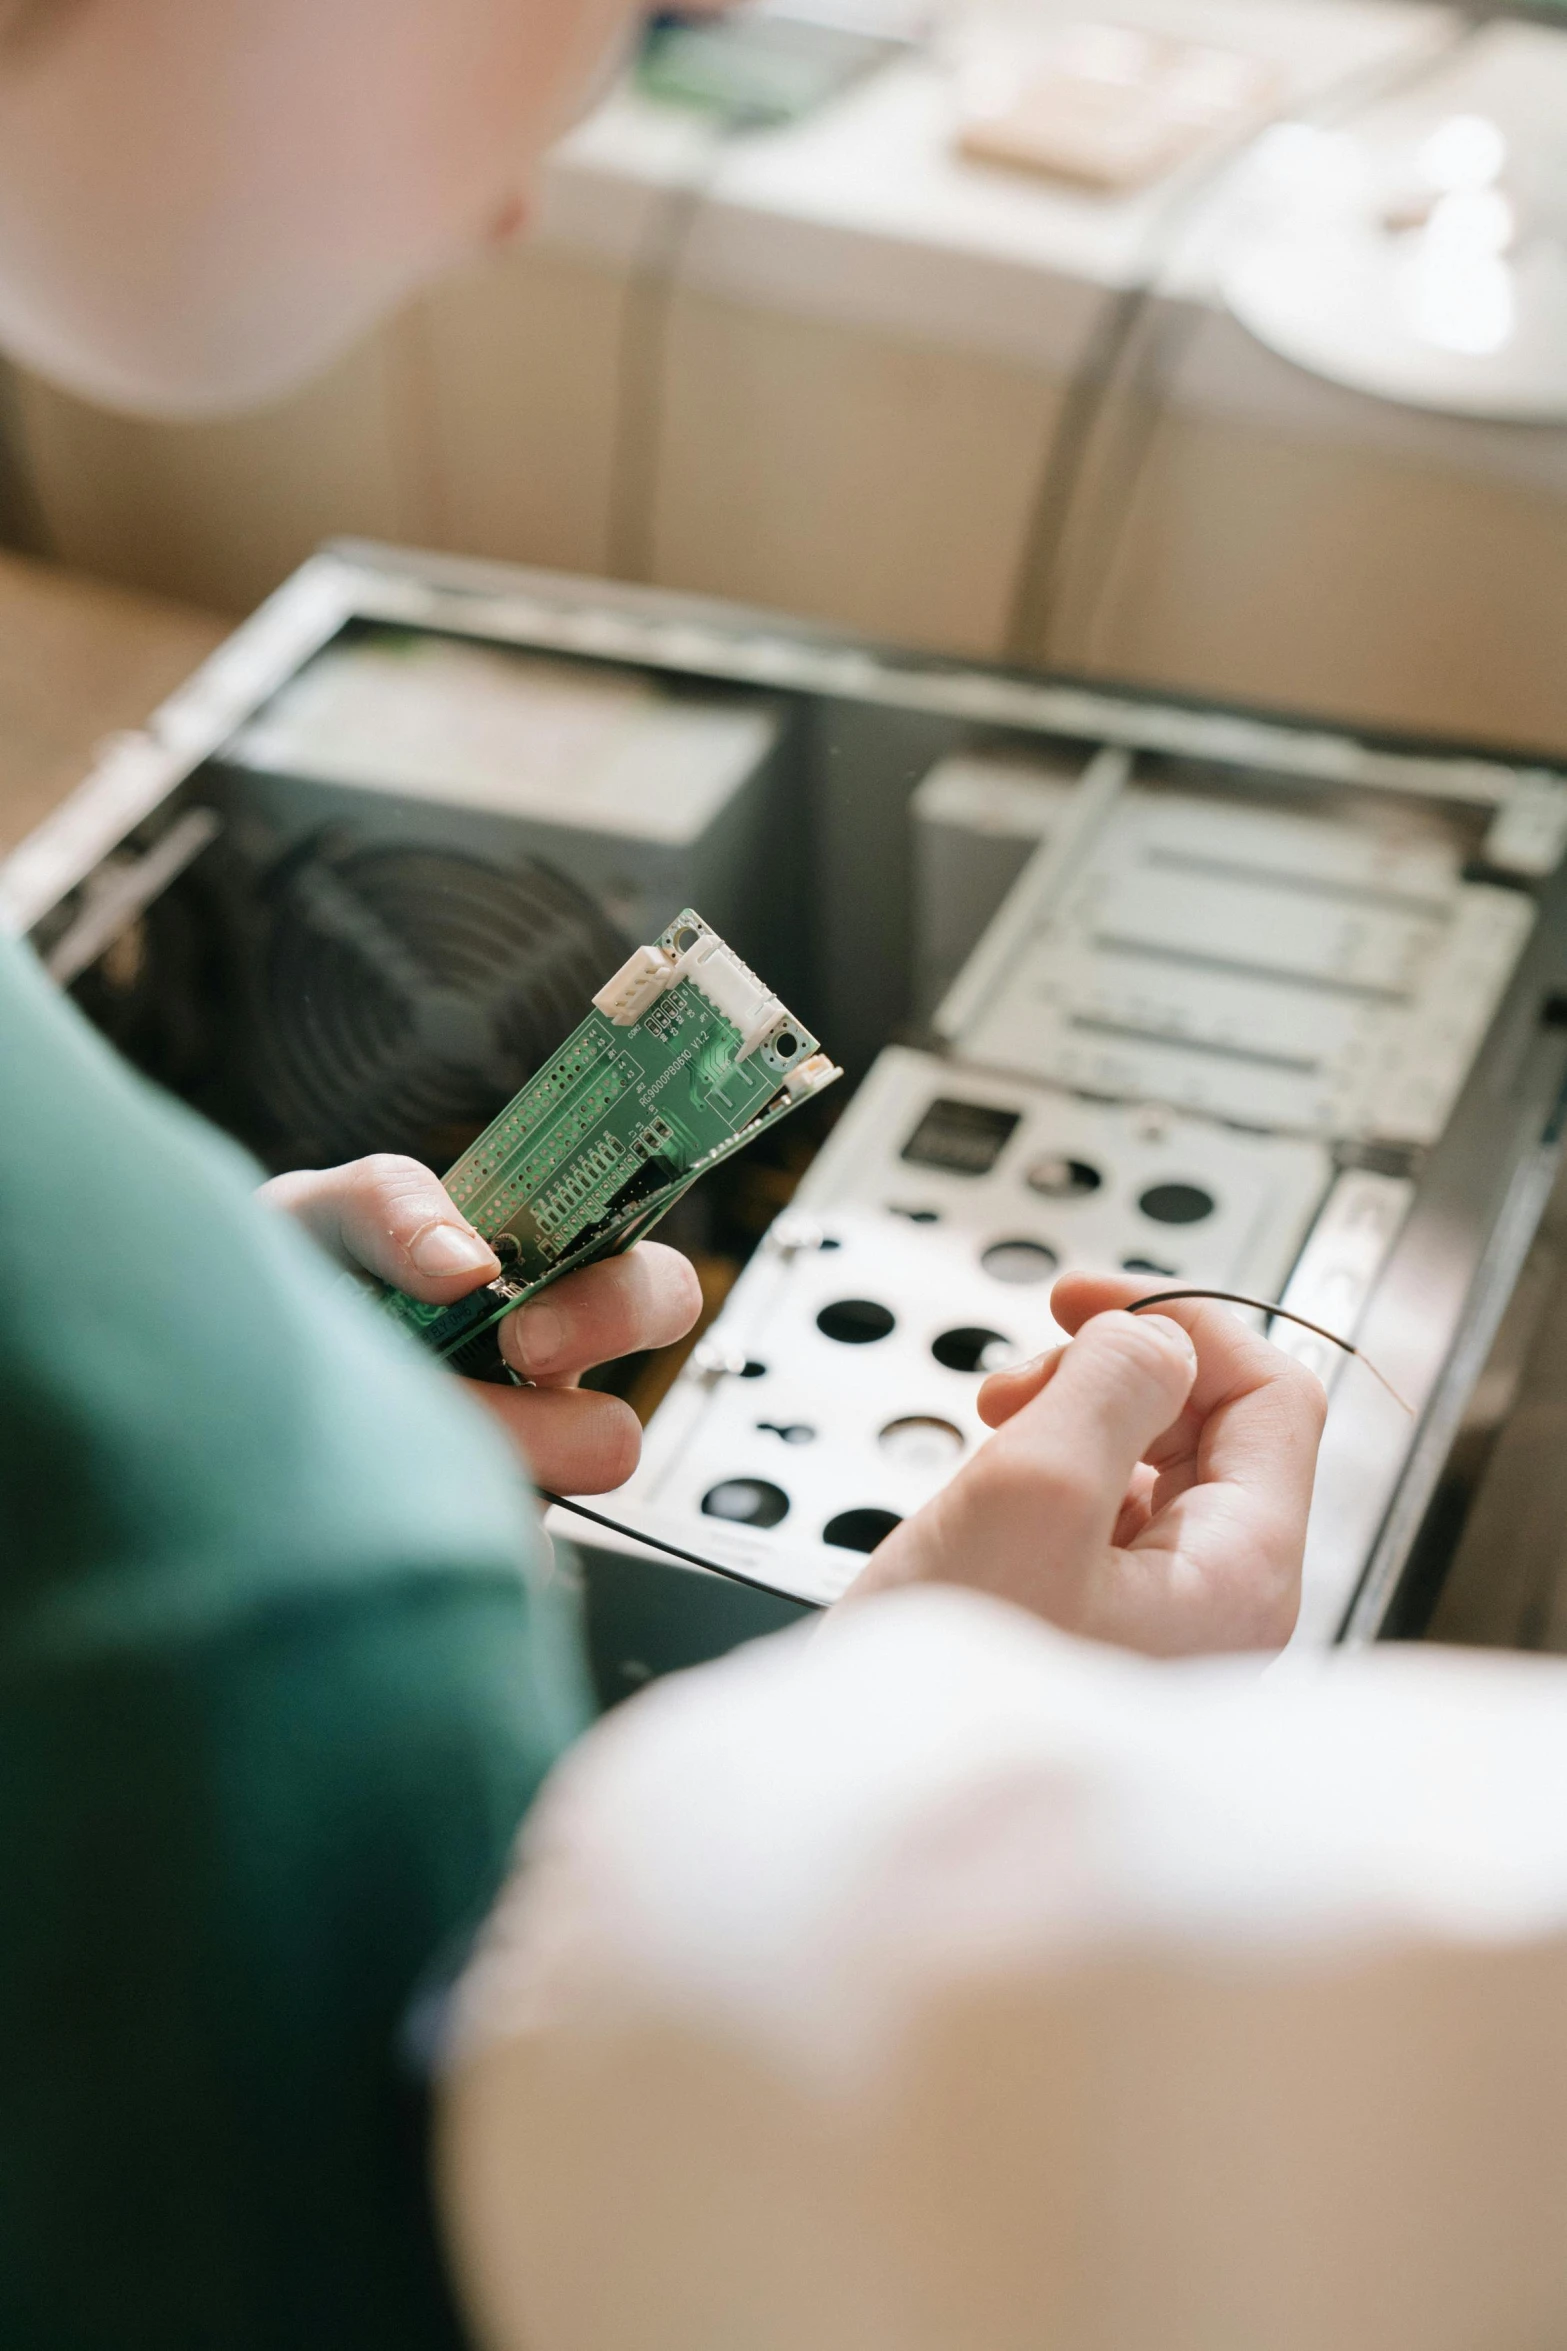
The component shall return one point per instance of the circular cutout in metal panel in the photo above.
(1063, 1179)
(1147, 1265)
(860, 1530)
(856, 1322)
(922, 1443)
(746, 1502)
(1177, 1203)
(1020, 1262)
(973, 1349)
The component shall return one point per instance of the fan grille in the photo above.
(407, 993)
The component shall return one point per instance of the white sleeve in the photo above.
(937, 1983)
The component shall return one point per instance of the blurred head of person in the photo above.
(203, 200)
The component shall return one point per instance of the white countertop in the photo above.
(865, 213)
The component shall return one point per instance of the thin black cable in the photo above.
(643, 364)
(734, 1575)
(1159, 340)
(1042, 576)
(1284, 1314)
(1036, 590)
(691, 1558)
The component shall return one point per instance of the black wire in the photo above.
(691, 1558)
(1065, 484)
(1237, 1298)
(1037, 585)
(753, 1583)
(643, 368)
(1284, 1314)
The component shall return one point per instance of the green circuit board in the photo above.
(684, 1057)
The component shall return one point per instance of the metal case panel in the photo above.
(799, 1389)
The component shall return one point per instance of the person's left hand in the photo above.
(391, 1217)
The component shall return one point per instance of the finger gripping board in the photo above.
(684, 1056)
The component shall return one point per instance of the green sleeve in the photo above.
(281, 1675)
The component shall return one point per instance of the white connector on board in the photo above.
(644, 976)
(732, 988)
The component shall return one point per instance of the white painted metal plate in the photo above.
(1338, 1268)
(1278, 970)
(842, 1374)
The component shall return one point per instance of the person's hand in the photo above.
(391, 1217)
(1148, 1483)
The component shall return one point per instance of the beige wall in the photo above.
(851, 476)
(867, 481)
(219, 513)
(1323, 577)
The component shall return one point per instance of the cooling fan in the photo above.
(401, 993)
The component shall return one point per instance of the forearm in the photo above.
(193, 1406)
(950, 1981)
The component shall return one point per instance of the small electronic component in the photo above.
(685, 1057)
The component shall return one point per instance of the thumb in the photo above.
(392, 1217)
(1117, 1387)
(1032, 1516)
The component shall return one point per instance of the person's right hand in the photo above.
(1148, 1483)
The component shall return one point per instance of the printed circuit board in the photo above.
(684, 1057)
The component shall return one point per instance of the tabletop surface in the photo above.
(79, 660)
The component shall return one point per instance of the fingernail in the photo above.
(1170, 1330)
(537, 1335)
(443, 1249)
